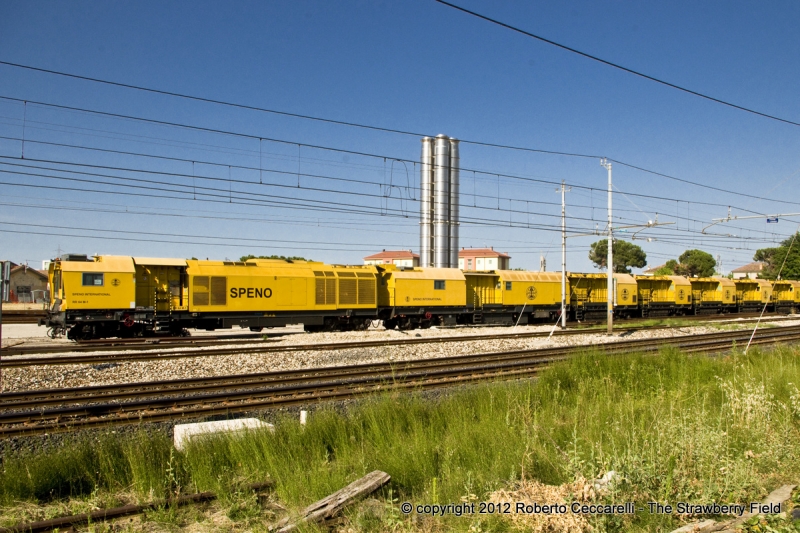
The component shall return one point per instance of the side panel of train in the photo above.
(786, 296)
(513, 297)
(420, 297)
(752, 294)
(260, 293)
(589, 296)
(713, 295)
(93, 298)
(664, 295)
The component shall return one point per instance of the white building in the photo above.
(483, 259)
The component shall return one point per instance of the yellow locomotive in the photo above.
(127, 296)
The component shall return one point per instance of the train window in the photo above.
(508, 285)
(438, 285)
(91, 280)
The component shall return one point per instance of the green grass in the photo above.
(671, 322)
(676, 428)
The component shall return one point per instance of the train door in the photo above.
(163, 288)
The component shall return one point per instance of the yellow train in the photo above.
(121, 296)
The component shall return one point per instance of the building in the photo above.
(483, 259)
(750, 270)
(652, 270)
(28, 285)
(404, 258)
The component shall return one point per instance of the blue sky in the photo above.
(416, 66)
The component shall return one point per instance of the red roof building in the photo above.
(483, 259)
(405, 258)
(750, 270)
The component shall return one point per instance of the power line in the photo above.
(202, 190)
(418, 134)
(287, 172)
(223, 237)
(366, 154)
(277, 112)
(189, 188)
(617, 65)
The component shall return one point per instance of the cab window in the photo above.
(438, 285)
(92, 280)
(508, 285)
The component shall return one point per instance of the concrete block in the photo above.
(183, 433)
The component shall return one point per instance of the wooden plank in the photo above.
(116, 512)
(330, 506)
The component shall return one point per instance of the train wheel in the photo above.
(405, 324)
(257, 329)
(390, 324)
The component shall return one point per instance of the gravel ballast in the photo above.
(45, 377)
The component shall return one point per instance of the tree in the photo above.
(696, 263)
(292, 258)
(668, 269)
(783, 260)
(626, 255)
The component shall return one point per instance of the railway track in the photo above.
(59, 410)
(252, 346)
(25, 316)
(156, 343)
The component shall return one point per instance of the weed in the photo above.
(674, 427)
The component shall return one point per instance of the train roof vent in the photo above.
(75, 257)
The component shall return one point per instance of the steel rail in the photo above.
(12, 361)
(451, 371)
(158, 343)
(47, 397)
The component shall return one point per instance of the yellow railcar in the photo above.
(664, 295)
(420, 297)
(589, 295)
(713, 295)
(89, 294)
(267, 293)
(752, 294)
(513, 296)
(536, 290)
(786, 296)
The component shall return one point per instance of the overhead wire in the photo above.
(366, 154)
(419, 134)
(617, 65)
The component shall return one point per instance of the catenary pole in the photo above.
(563, 190)
(610, 261)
